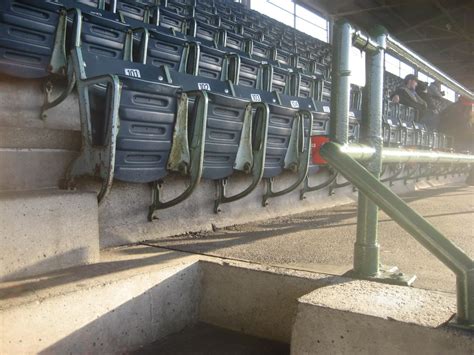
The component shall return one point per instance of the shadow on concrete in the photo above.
(206, 243)
(166, 308)
(55, 262)
(75, 275)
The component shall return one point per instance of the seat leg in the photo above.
(268, 191)
(302, 162)
(196, 153)
(248, 150)
(93, 160)
(49, 101)
(307, 188)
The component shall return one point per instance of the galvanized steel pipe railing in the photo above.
(373, 193)
(366, 248)
(341, 86)
(400, 155)
(426, 234)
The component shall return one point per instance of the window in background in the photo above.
(396, 66)
(405, 69)
(448, 93)
(312, 24)
(392, 64)
(423, 77)
(284, 11)
(357, 67)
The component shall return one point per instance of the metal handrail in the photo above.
(425, 233)
(373, 193)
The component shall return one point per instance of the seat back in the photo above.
(132, 9)
(230, 40)
(172, 20)
(285, 124)
(27, 34)
(306, 86)
(277, 79)
(225, 120)
(169, 50)
(246, 71)
(148, 109)
(203, 31)
(391, 123)
(211, 62)
(105, 37)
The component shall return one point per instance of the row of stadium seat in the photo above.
(183, 86)
(149, 104)
(402, 126)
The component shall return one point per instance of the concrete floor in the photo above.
(206, 339)
(322, 241)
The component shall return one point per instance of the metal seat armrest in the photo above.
(196, 153)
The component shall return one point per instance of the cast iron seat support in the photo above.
(251, 154)
(296, 157)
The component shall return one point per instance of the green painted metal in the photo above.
(101, 4)
(332, 175)
(58, 61)
(365, 43)
(340, 90)
(366, 248)
(426, 234)
(192, 167)
(363, 152)
(297, 156)
(60, 64)
(95, 160)
(251, 154)
(373, 193)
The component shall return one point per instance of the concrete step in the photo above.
(39, 138)
(137, 296)
(46, 230)
(367, 317)
(21, 101)
(33, 169)
(35, 158)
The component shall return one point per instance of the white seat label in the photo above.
(135, 73)
(255, 98)
(204, 86)
(294, 104)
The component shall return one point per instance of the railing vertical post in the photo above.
(340, 90)
(366, 249)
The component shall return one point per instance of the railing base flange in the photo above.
(462, 326)
(387, 274)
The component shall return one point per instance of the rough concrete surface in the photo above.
(120, 304)
(33, 169)
(362, 317)
(46, 230)
(137, 295)
(255, 299)
(205, 339)
(322, 240)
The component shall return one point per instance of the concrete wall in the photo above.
(111, 312)
(362, 317)
(253, 299)
(46, 230)
(138, 295)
